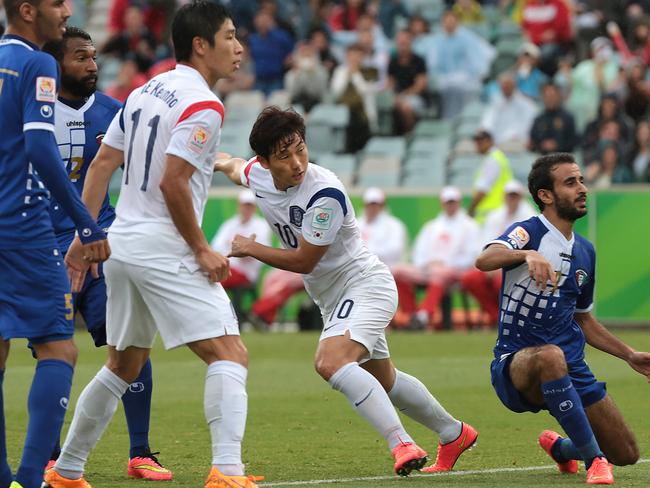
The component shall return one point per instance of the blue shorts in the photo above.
(584, 381)
(35, 298)
(90, 302)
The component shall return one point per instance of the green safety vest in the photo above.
(494, 198)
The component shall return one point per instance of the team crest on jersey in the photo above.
(295, 215)
(322, 218)
(519, 237)
(581, 277)
(198, 139)
(46, 111)
(100, 137)
(45, 89)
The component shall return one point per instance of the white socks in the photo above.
(226, 406)
(94, 411)
(412, 398)
(368, 397)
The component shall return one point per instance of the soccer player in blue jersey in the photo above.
(82, 118)
(545, 321)
(35, 299)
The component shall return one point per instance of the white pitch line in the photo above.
(419, 475)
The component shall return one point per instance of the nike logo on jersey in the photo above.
(356, 404)
(328, 328)
(258, 195)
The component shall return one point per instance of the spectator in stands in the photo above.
(547, 23)
(444, 249)
(244, 272)
(344, 16)
(458, 60)
(591, 17)
(468, 11)
(638, 158)
(554, 129)
(528, 77)
(420, 33)
(319, 40)
(270, 48)
(589, 80)
(307, 80)
(491, 177)
(640, 45)
(157, 16)
(407, 78)
(608, 168)
(598, 129)
(384, 234)
(392, 12)
(375, 48)
(485, 286)
(349, 87)
(128, 79)
(637, 92)
(280, 14)
(510, 114)
(135, 41)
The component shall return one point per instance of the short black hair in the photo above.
(198, 18)
(56, 48)
(541, 177)
(12, 7)
(274, 127)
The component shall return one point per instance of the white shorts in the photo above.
(184, 307)
(365, 309)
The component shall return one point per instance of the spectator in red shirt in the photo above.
(344, 17)
(547, 23)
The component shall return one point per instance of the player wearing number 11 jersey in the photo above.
(309, 210)
(163, 277)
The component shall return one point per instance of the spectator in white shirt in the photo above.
(384, 234)
(510, 115)
(244, 272)
(485, 286)
(444, 249)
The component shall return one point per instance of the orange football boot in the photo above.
(449, 453)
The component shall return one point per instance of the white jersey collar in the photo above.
(184, 69)
(67, 108)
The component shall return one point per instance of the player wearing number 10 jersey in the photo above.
(163, 277)
(307, 207)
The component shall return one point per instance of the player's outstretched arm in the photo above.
(599, 337)
(497, 256)
(231, 167)
(302, 260)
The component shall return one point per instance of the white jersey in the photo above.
(385, 236)
(176, 114)
(320, 211)
(453, 241)
(229, 229)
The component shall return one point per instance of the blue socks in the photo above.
(137, 409)
(47, 405)
(5, 471)
(565, 405)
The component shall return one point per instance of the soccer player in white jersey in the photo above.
(165, 275)
(307, 207)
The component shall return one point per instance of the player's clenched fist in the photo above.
(213, 264)
(240, 246)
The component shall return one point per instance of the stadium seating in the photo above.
(326, 126)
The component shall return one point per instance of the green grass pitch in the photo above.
(300, 430)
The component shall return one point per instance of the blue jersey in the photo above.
(79, 132)
(530, 316)
(28, 80)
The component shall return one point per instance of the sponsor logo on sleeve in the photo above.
(581, 277)
(198, 139)
(46, 111)
(295, 215)
(45, 89)
(322, 218)
(519, 237)
(99, 137)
